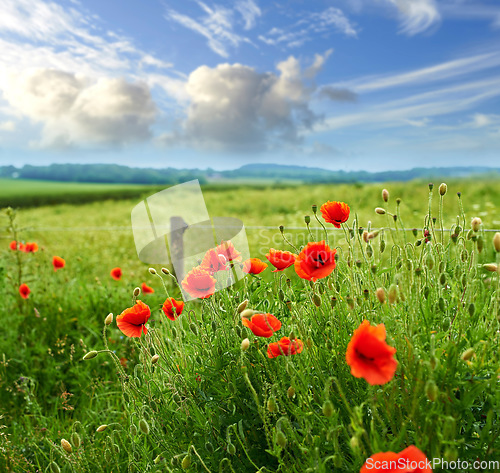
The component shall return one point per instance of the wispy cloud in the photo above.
(309, 27)
(439, 72)
(416, 16)
(399, 112)
(216, 24)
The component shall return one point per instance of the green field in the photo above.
(210, 406)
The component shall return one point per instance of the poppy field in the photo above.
(364, 337)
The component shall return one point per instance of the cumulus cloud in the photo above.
(234, 107)
(75, 110)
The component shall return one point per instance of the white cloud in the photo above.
(233, 107)
(310, 26)
(249, 10)
(446, 70)
(417, 16)
(216, 25)
(75, 111)
(8, 125)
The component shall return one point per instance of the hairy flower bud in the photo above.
(109, 319)
(380, 292)
(66, 445)
(443, 189)
(154, 359)
(476, 223)
(385, 195)
(242, 306)
(90, 355)
(102, 428)
(380, 211)
(245, 344)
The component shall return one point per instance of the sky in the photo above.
(343, 85)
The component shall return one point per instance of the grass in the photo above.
(208, 405)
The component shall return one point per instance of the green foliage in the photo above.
(186, 397)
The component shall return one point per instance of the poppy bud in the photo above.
(433, 362)
(490, 267)
(496, 242)
(144, 426)
(154, 359)
(476, 223)
(281, 229)
(109, 319)
(133, 430)
(66, 445)
(365, 236)
(290, 392)
(90, 355)
(242, 306)
(75, 439)
(328, 408)
(186, 462)
(231, 449)
(369, 250)
(165, 271)
(281, 439)
(442, 279)
(245, 344)
(248, 312)
(314, 208)
(137, 291)
(472, 309)
(194, 329)
(429, 260)
(393, 294)
(468, 354)
(380, 211)
(307, 219)
(442, 189)
(54, 467)
(431, 186)
(209, 447)
(107, 455)
(431, 390)
(333, 302)
(385, 195)
(152, 271)
(271, 405)
(380, 293)
(382, 246)
(441, 304)
(480, 243)
(354, 443)
(316, 300)
(102, 428)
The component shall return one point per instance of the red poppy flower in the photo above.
(146, 289)
(285, 347)
(254, 266)
(369, 356)
(22, 247)
(58, 263)
(173, 308)
(335, 213)
(116, 274)
(214, 262)
(24, 290)
(31, 247)
(227, 249)
(132, 320)
(315, 261)
(410, 460)
(13, 245)
(280, 259)
(262, 325)
(199, 283)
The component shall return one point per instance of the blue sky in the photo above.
(347, 84)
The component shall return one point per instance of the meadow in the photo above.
(201, 393)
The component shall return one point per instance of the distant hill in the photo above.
(114, 173)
